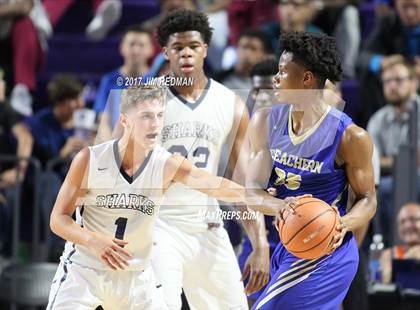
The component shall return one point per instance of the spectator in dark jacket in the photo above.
(54, 137)
(15, 139)
(396, 36)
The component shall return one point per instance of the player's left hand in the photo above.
(257, 269)
(338, 238)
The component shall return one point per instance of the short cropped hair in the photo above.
(136, 29)
(63, 87)
(403, 62)
(135, 95)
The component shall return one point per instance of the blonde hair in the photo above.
(138, 94)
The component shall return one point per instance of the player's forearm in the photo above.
(260, 200)
(255, 229)
(361, 213)
(65, 227)
(224, 189)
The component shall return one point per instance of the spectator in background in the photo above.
(383, 7)
(52, 127)
(253, 46)
(262, 93)
(395, 36)
(408, 221)
(21, 52)
(389, 127)
(341, 20)
(160, 65)
(136, 50)
(107, 13)
(244, 14)
(294, 15)
(54, 137)
(167, 6)
(15, 139)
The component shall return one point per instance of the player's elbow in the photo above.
(54, 222)
(372, 206)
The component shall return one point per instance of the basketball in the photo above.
(308, 233)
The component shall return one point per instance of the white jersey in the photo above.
(196, 131)
(120, 206)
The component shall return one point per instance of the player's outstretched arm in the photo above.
(73, 188)
(178, 169)
(356, 150)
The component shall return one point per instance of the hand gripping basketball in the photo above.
(309, 229)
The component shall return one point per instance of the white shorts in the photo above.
(203, 264)
(77, 287)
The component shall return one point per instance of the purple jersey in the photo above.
(306, 164)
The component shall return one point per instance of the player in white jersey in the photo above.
(192, 253)
(116, 189)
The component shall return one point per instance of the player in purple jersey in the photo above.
(304, 146)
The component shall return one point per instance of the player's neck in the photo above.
(305, 117)
(134, 70)
(194, 91)
(131, 154)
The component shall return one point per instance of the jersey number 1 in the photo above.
(121, 223)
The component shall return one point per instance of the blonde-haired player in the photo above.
(115, 188)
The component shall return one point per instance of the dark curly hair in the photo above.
(182, 21)
(316, 52)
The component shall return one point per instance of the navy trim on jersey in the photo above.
(192, 105)
(118, 160)
(64, 277)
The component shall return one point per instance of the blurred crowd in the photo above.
(378, 41)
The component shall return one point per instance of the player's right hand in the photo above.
(290, 203)
(109, 250)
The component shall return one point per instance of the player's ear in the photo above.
(308, 79)
(123, 120)
(205, 46)
(166, 53)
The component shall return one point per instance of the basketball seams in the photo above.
(333, 227)
(308, 223)
(281, 228)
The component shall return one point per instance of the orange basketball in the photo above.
(308, 233)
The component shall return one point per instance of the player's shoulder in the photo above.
(80, 162)
(101, 147)
(355, 143)
(355, 134)
(215, 86)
